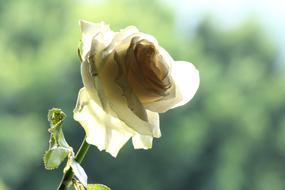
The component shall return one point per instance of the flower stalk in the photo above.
(68, 176)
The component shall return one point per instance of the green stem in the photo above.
(67, 177)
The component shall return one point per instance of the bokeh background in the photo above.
(231, 136)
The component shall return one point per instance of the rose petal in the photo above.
(118, 102)
(89, 30)
(102, 129)
(122, 37)
(142, 141)
(187, 80)
(133, 101)
(88, 81)
(145, 141)
(94, 87)
(153, 119)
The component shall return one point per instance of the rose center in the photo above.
(147, 73)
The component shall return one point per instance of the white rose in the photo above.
(128, 79)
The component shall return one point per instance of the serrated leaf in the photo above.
(54, 157)
(58, 147)
(61, 140)
(97, 187)
(79, 172)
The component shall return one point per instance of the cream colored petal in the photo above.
(119, 104)
(90, 30)
(117, 100)
(145, 141)
(102, 130)
(90, 83)
(153, 119)
(142, 141)
(121, 38)
(94, 87)
(166, 57)
(186, 80)
(118, 135)
(149, 38)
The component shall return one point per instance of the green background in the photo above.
(231, 136)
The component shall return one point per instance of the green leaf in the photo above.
(54, 157)
(58, 147)
(97, 187)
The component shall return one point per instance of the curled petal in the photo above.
(102, 129)
(90, 30)
(186, 80)
(121, 38)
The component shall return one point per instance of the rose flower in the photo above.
(128, 79)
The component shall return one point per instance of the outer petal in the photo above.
(90, 30)
(102, 130)
(88, 81)
(186, 79)
(145, 141)
(153, 119)
(122, 37)
(142, 141)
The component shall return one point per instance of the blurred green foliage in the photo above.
(230, 137)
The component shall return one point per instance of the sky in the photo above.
(228, 13)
